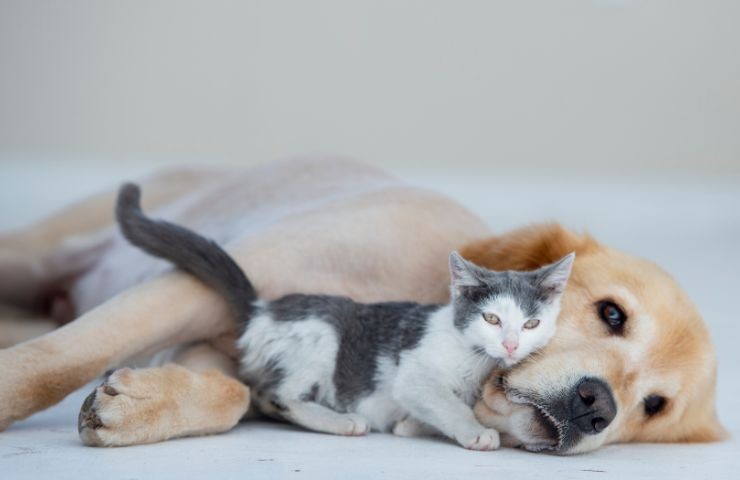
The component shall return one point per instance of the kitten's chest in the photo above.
(460, 367)
(471, 377)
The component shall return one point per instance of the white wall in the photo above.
(636, 85)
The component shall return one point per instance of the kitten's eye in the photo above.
(612, 315)
(492, 318)
(531, 323)
(654, 404)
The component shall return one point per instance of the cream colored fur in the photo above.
(312, 226)
(318, 225)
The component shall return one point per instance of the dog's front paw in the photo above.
(122, 411)
(483, 440)
(154, 404)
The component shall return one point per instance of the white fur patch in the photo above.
(511, 329)
(305, 350)
(380, 408)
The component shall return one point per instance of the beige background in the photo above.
(575, 85)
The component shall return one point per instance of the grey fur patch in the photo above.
(367, 333)
(268, 379)
(531, 290)
(478, 350)
(201, 257)
(278, 405)
(312, 395)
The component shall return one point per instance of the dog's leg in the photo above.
(166, 311)
(34, 259)
(96, 212)
(37, 279)
(17, 326)
(155, 404)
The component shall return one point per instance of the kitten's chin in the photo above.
(500, 359)
(509, 362)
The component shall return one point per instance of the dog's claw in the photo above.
(110, 390)
(88, 418)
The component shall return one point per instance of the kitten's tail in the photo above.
(191, 252)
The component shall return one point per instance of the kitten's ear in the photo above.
(462, 272)
(554, 277)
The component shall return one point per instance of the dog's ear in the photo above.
(711, 432)
(701, 417)
(527, 248)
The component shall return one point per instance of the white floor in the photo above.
(690, 226)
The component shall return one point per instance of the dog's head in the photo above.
(631, 360)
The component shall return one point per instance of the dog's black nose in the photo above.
(592, 406)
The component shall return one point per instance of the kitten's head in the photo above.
(508, 314)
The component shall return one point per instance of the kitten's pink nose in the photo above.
(510, 345)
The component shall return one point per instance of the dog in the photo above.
(631, 360)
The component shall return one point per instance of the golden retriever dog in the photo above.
(631, 360)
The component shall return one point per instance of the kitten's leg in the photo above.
(443, 410)
(411, 427)
(321, 419)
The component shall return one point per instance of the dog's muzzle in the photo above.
(587, 408)
(591, 406)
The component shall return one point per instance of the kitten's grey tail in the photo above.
(193, 253)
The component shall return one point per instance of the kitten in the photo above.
(333, 365)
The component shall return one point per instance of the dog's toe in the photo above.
(88, 416)
(150, 405)
(100, 417)
(110, 390)
(89, 422)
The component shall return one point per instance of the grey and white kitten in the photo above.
(333, 365)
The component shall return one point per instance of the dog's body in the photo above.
(339, 228)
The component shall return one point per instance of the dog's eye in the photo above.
(654, 404)
(492, 318)
(531, 323)
(612, 315)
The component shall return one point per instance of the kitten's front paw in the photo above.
(355, 426)
(484, 440)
